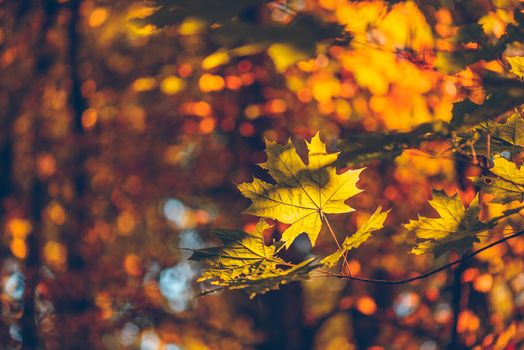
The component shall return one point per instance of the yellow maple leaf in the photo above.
(517, 66)
(303, 193)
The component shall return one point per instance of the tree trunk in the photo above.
(283, 320)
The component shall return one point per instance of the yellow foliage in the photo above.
(405, 24)
(495, 22)
(390, 60)
(294, 83)
(325, 89)
(304, 193)
(366, 305)
(18, 248)
(216, 59)
(126, 223)
(210, 82)
(467, 322)
(172, 84)
(284, 55)
(56, 213)
(98, 17)
(357, 16)
(517, 65)
(418, 162)
(141, 31)
(19, 228)
(89, 118)
(55, 253)
(139, 10)
(132, 265)
(191, 26)
(144, 84)
(192, 343)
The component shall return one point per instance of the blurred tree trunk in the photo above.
(9, 111)
(457, 296)
(283, 321)
(73, 294)
(38, 196)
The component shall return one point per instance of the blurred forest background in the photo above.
(125, 125)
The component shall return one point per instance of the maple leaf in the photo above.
(246, 262)
(504, 137)
(271, 279)
(455, 229)
(502, 95)
(242, 253)
(374, 223)
(507, 184)
(303, 193)
(517, 66)
(512, 131)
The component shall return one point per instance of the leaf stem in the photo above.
(430, 273)
(345, 263)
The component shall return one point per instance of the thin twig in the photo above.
(488, 151)
(345, 263)
(473, 153)
(430, 273)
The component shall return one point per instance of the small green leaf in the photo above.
(455, 229)
(374, 223)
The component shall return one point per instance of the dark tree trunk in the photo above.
(282, 320)
(456, 295)
(75, 303)
(38, 198)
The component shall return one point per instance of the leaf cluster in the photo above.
(303, 193)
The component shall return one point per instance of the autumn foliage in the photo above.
(252, 174)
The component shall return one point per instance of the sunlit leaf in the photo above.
(504, 137)
(506, 183)
(374, 223)
(487, 50)
(517, 66)
(303, 193)
(216, 59)
(455, 228)
(284, 55)
(246, 262)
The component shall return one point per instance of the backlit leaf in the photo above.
(246, 262)
(374, 223)
(455, 228)
(506, 184)
(517, 66)
(284, 56)
(504, 137)
(303, 193)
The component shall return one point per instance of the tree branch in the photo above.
(432, 272)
